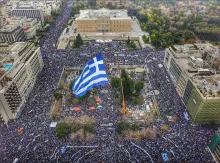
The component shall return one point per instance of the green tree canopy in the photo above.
(62, 130)
(128, 85)
(58, 95)
(189, 36)
(115, 82)
(78, 42)
(138, 86)
(125, 125)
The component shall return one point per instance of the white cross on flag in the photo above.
(92, 75)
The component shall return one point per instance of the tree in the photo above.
(95, 91)
(151, 26)
(158, 84)
(164, 127)
(128, 41)
(125, 125)
(133, 45)
(156, 43)
(82, 98)
(189, 36)
(109, 5)
(69, 120)
(89, 128)
(54, 13)
(78, 42)
(62, 130)
(143, 75)
(128, 85)
(157, 12)
(142, 17)
(138, 86)
(71, 85)
(167, 39)
(58, 96)
(145, 39)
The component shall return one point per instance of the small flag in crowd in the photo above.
(92, 75)
(186, 116)
(63, 150)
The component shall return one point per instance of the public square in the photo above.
(38, 143)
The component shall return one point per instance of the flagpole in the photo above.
(123, 109)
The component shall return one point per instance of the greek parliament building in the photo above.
(20, 64)
(103, 20)
(194, 70)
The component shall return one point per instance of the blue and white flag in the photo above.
(186, 116)
(63, 150)
(92, 75)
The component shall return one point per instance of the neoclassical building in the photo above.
(103, 20)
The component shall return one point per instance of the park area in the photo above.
(77, 117)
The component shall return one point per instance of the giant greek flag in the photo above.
(92, 75)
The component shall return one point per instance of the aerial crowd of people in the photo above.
(38, 143)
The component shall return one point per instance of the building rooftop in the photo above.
(8, 28)
(12, 54)
(113, 14)
(203, 76)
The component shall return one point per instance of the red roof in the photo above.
(25, 29)
(9, 17)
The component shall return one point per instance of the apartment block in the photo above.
(20, 64)
(28, 12)
(2, 13)
(46, 6)
(214, 147)
(197, 81)
(10, 33)
(29, 25)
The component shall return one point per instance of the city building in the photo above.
(20, 64)
(214, 147)
(45, 5)
(29, 25)
(2, 13)
(28, 12)
(103, 20)
(196, 81)
(11, 33)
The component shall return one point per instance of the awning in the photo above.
(92, 108)
(76, 109)
(98, 100)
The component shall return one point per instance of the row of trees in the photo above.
(203, 29)
(130, 44)
(131, 130)
(82, 128)
(157, 25)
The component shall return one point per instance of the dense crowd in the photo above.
(38, 143)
